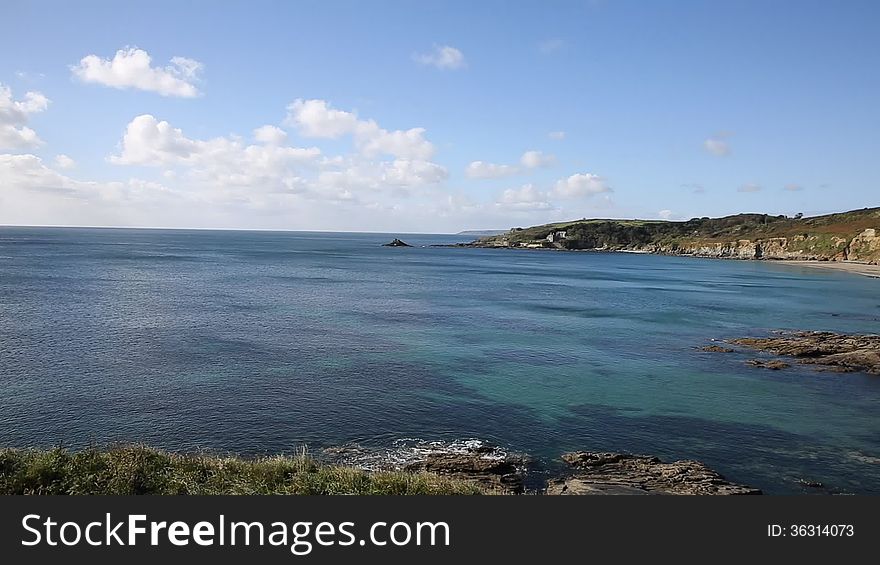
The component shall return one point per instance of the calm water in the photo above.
(260, 342)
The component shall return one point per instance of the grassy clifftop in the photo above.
(843, 236)
(134, 469)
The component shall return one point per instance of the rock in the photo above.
(772, 364)
(496, 473)
(396, 243)
(811, 484)
(717, 349)
(831, 351)
(620, 473)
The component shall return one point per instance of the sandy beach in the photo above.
(850, 267)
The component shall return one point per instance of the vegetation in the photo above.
(136, 469)
(828, 234)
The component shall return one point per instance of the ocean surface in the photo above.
(262, 342)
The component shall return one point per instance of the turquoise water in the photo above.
(260, 342)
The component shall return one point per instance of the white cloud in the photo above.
(28, 172)
(315, 118)
(551, 45)
(408, 144)
(535, 159)
(557, 135)
(222, 161)
(406, 172)
(665, 214)
(442, 57)
(270, 135)
(14, 114)
(792, 187)
(132, 68)
(717, 145)
(749, 187)
(484, 170)
(229, 169)
(580, 185)
(62, 161)
(529, 160)
(524, 198)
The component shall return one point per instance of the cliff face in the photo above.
(848, 236)
(864, 248)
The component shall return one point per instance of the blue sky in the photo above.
(434, 116)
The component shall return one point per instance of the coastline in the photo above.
(853, 267)
(864, 269)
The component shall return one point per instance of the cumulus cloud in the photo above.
(236, 170)
(28, 172)
(749, 187)
(524, 198)
(580, 185)
(62, 161)
(14, 114)
(484, 170)
(557, 135)
(221, 161)
(791, 187)
(529, 160)
(316, 118)
(535, 159)
(132, 68)
(717, 145)
(665, 214)
(407, 172)
(442, 57)
(271, 135)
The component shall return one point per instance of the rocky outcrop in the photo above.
(865, 247)
(830, 351)
(620, 473)
(500, 471)
(396, 243)
(772, 364)
(496, 474)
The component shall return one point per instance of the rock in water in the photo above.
(620, 473)
(499, 474)
(397, 243)
(772, 364)
(831, 351)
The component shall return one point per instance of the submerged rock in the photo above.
(620, 473)
(396, 243)
(772, 364)
(473, 460)
(831, 351)
(717, 349)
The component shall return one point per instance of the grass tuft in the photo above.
(138, 469)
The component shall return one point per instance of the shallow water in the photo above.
(260, 342)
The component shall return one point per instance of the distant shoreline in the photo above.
(853, 267)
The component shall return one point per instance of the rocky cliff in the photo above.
(863, 248)
(848, 236)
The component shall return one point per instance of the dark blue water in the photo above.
(256, 342)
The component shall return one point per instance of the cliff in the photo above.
(848, 236)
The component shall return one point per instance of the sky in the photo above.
(434, 116)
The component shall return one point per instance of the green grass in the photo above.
(136, 469)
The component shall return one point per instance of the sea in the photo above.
(255, 342)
